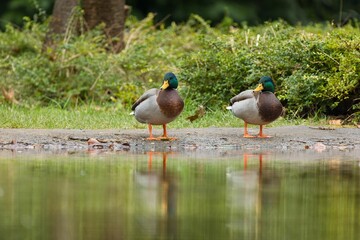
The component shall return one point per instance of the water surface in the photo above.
(224, 194)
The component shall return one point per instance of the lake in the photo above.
(215, 194)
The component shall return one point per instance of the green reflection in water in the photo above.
(229, 195)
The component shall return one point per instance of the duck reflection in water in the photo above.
(155, 197)
(245, 196)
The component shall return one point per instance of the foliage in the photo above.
(315, 67)
(80, 69)
(12, 11)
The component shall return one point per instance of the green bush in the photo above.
(315, 67)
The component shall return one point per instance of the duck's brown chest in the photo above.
(270, 108)
(170, 103)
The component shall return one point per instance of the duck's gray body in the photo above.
(158, 107)
(259, 108)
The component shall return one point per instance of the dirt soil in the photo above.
(283, 138)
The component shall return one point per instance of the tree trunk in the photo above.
(110, 12)
(61, 14)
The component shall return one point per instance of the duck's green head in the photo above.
(170, 81)
(266, 84)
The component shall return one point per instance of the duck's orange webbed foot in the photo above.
(261, 135)
(151, 137)
(165, 137)
(246, 135)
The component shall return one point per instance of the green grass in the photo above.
(111, 117)
(51, 117)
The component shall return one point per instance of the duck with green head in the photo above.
(259, 106)
(159, 106)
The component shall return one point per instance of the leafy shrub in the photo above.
(315, 67)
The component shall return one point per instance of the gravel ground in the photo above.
(283, 138)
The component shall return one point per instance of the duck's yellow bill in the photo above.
(259, 88)
(165, 85)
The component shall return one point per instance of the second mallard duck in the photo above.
(159, 106)
(259, 106)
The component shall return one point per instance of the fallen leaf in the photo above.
(200, 112)
(92, 141)
(9, 95)
(319, 147)
(336, 122)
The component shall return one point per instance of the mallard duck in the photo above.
(259, 106)
(159, 106)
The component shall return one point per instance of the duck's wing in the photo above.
(149, 93)
(242, 96)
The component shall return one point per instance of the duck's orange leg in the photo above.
(246, 133)
(164, 131)
(261, 134)
(151, 137)
(165, 137)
